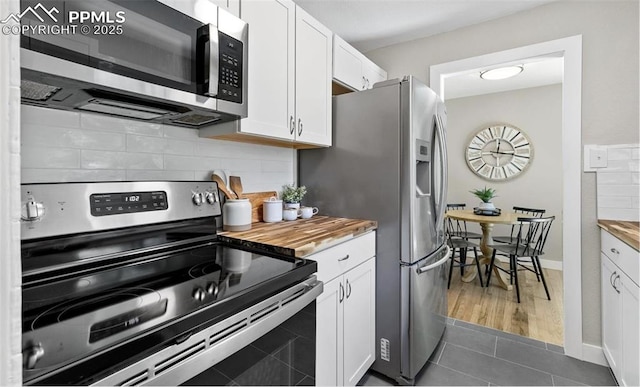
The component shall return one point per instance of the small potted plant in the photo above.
(292, 195)
(485, 194)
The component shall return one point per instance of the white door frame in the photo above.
(571, 50)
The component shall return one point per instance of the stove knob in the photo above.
(211, 198)
(32, 355)
(212, 288)
(198, 294)
(32, 210)
(197, 198)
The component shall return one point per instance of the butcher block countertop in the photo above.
(628, 232)
(299, 238)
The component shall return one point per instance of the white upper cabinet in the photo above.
(352, 69)
(231, 6)
(289, 90)
(271, 75)
(313, 80)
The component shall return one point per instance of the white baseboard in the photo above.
(594, 354)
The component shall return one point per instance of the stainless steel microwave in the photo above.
(182, 62)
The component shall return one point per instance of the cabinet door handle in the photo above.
(364, 83)
(341, 293)
(614, 283)
(611, 279)
(299, 127)
(348, 289)
(615, 251)
(292, 125)
(343, 258)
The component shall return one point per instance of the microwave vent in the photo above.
(36, 91)
(196, 119)
(123, 109)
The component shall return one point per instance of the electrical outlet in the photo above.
(594, 157)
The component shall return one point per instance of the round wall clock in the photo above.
(499, 152)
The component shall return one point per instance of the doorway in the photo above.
(570, 49)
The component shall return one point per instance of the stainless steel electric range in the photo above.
(126, 283)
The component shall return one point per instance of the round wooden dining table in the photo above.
(486, 224)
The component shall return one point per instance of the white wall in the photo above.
(610, 97)
(61, 146)
(537, 112)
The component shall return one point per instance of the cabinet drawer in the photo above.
(332, 262)
(623, 255)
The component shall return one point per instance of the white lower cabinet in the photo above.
(620, 310)
(345, 323)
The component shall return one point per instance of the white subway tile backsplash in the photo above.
(53, 136)
(42, 157)
(614, 201)
(41, 175)
(179, 147)
(145, 144)
(618, 190)
(185, 163)
(613, 178)
(182, 133)
(53, 117)
(618, 154)
(66, 146)
(160, 175)
(618, 184)
(628, 214)
(122, 125)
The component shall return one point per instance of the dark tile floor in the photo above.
(473, 355)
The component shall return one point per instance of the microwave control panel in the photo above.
(230, 68)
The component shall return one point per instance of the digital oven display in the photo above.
(127, 202)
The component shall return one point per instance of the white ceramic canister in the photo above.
(236, 215)
(272, 210)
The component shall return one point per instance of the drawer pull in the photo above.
(344, 258)
(615, 251)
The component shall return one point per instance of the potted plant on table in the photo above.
(292, 195)
(485, 194)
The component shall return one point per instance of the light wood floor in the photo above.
(493, 307)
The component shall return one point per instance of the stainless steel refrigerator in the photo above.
(388, 163)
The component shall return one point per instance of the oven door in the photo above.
(269, 343)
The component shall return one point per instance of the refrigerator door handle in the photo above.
(442, 170)
(441, 262)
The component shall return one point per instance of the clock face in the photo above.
(499, 152)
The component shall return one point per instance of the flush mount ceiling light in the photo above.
(501, 73)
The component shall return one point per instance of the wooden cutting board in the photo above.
(256, 199)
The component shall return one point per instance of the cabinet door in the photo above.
(359, 321)
(373, 73)
(329, 314)
(611, 315)
(231, 6)
(347, 64)
(630, 328)
(271, 68)
(313, 80)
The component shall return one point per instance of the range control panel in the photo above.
(52, 209)
(127, 202)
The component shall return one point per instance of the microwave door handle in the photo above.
(214, 61)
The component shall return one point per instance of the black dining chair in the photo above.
(531, 237)
(462, 246)
(525, 213)
(459, 227)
